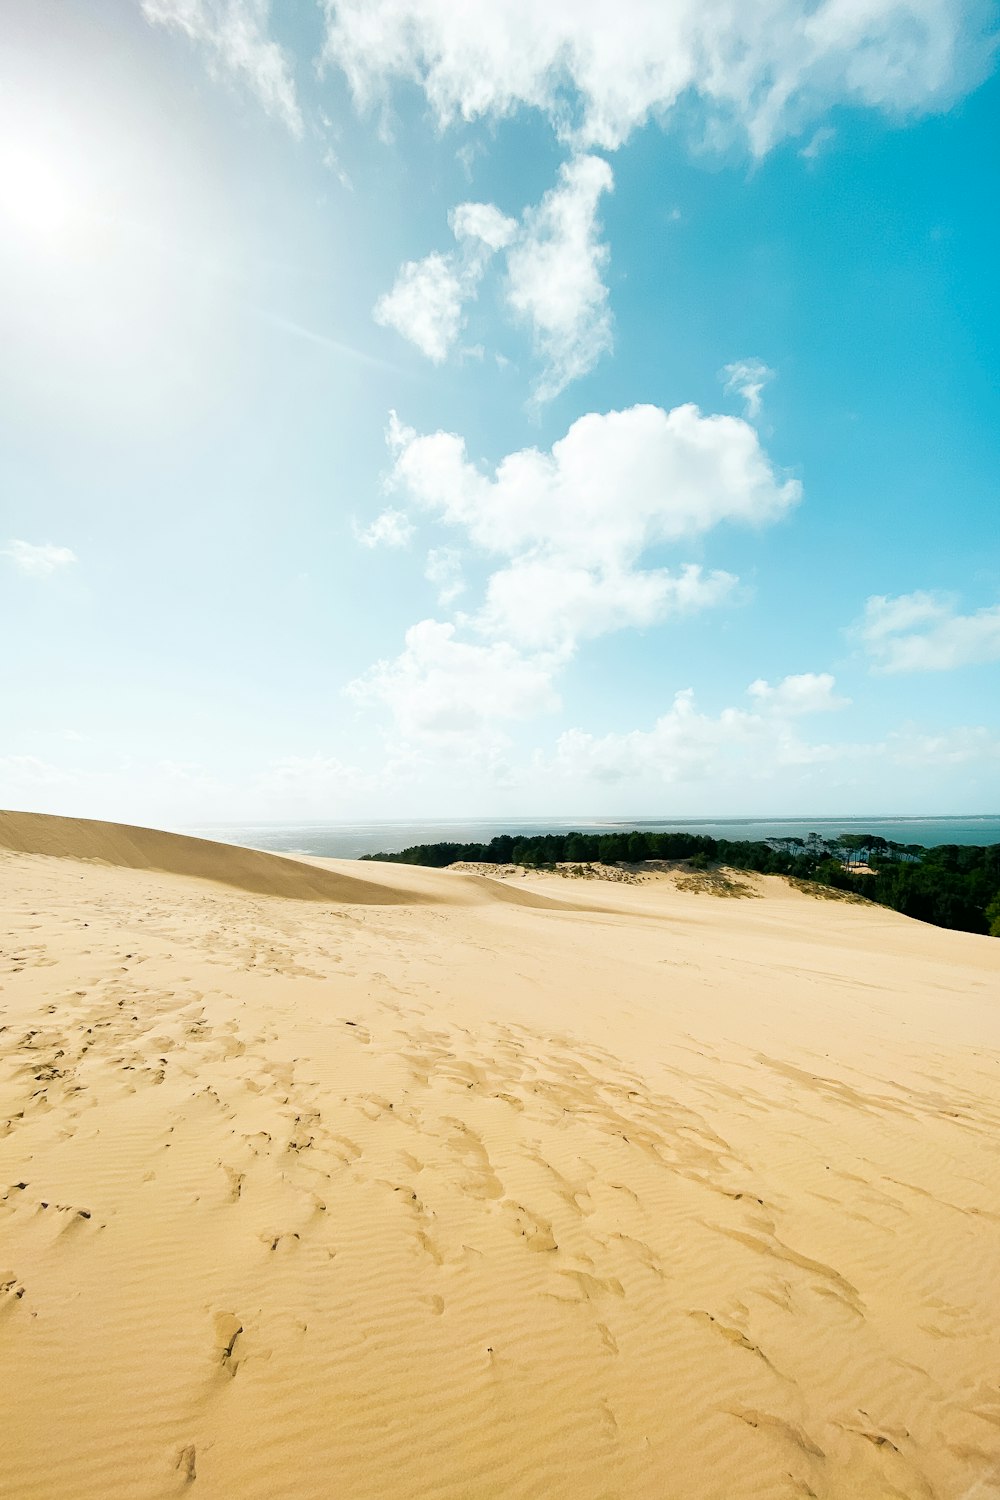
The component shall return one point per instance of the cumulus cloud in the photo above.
(235, 36)
(427, 300)
(555, 280)
(441, 687)
(803, 693)
(747, 378)
(393, 528)
(687, 745)
(736, 747)
(483, 222)
(569, 528)
(425, 305)
(922, 632)
(38, 561)
(599, 71)
(552, 603)
(572, 524)
(554, 286)
(615, 484)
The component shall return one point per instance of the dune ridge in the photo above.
(447, 1196)
(254, 870)
(131, 848)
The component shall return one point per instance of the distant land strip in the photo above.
(949, 885)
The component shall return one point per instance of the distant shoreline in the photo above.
(341, 839)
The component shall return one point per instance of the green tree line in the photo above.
(950, 885)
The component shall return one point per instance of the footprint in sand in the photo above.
(185, 1464)
(535, 1231)
(235, 1180)
(361, 1033)
(11, 1290)
(731, 1335)
(228, 1328)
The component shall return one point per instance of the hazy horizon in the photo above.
(350, 840)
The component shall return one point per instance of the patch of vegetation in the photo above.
(599, 872)
(826, 892)
(716, 883)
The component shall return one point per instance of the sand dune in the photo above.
(406, 1187)
(263, 874)
(131, 848)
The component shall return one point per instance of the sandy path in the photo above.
(455, 1197)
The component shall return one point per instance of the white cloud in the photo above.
(332, 163)
(616, 484)
(37, 561)
(741, 754)
(598, 71)
(425, 305)
(818, 142)
(444, 571)
(235, 35)
(686, 745)
(747, 378)
(440, 687)
(554, 282)
(573, 524)
(301, 783)
(571, 527)
(553, 285)
(803, 693)
(393, 528)
(551, 603)
(21, 774)
(920, 632)
(554, 275)
(965, 745)
(482, 221)
(427, 299)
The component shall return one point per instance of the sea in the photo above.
(352, 840)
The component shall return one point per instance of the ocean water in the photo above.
(351, 840)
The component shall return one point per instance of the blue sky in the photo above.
(689, 323)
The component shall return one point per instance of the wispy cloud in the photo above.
(820, 139)
(443, 569)
(555, 284)
(325, 341)
(923, 632)
(747, 378)
(599, 72)
(427, 299)
(801, 693)
(38, 561)
(392, 528)
(555, 272)
(234, 34)
(687, 745)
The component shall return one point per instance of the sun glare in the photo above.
(39, 201)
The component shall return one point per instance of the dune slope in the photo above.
(454, 1196)
(126, 847)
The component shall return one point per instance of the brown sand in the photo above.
(403, 1189)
